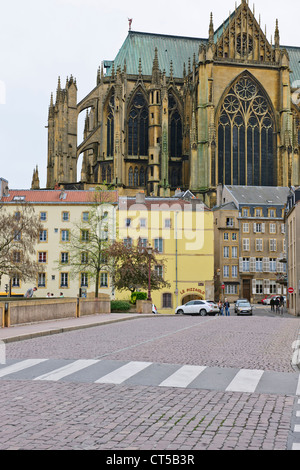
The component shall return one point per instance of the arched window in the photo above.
(142, 176)
(175, 128)
(136, 177)
(130, 177)
(110, 127)
(138, 126)
(246, 137)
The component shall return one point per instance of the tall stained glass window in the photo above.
(246, 137)
(110, 127)
(138, 126)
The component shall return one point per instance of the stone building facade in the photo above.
(184, 112)
(250, 239)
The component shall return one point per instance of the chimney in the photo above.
(4, 192)
(140, 197)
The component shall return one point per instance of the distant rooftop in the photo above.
(258, 195)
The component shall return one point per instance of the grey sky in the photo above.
(41, 40)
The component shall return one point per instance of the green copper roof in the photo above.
(294, 55)
(170, 48)
(177, 49)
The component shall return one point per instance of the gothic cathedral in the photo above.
(178, 112)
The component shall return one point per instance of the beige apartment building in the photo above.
(293, 250)
(58, 211)
(249, 242)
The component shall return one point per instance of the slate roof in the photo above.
(178, 49)
(259, 195)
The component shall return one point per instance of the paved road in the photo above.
(160, 383)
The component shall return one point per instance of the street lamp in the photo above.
(149, 251)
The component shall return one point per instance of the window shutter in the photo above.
(263, 228)
(241, 265)
(254, 227)
(266, 286)
(252, 265)
(266, 265)
(253, 286)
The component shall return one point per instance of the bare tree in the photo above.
(19, 233)
(90, 239)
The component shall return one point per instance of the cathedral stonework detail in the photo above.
(173, 112)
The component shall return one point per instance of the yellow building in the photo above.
(59, 212)
(181, 229)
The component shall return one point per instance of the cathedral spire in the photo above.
(155, 69)
(276, 37)
(211, 30)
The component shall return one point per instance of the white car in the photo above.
(198, 307)
(154, 309)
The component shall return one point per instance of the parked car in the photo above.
(267, 301)
(198, 307)
(154, 309)
(238, 302)
(244, 308)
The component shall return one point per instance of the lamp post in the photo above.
(149, 251)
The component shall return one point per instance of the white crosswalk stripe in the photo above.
(67, 370)
(182, 377)
(123, 373)
(245, 381)
(298, 387)
(20, 366)
(148, 373)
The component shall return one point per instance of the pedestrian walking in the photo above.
(272, 302)
(227, 306)
(221, 308)
(277, 303)
(30, 292)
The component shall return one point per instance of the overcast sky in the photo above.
(41, 40)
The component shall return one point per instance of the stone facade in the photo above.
(183, 112)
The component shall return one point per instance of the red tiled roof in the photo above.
(58, 196)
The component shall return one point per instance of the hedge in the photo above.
(119, 306)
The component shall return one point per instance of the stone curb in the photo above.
(51, 330)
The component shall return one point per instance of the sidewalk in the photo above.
(33, 330)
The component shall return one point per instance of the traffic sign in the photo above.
(223, 286)
(291, 290)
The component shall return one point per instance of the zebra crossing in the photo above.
(116, 372)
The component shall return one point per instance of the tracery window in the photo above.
(175, 128)
(130, 177)
(110, 127)
(142, 176)
(246, 142)
(138, 126)
(136, 177)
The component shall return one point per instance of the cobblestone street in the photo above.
(76, 414)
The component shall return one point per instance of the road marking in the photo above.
(67, 370)
(182, 377)
(123, 373)
(245, 381)
(297, 428)
(298, 388)
(296, 447)
(298, 414)
(20, 366)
